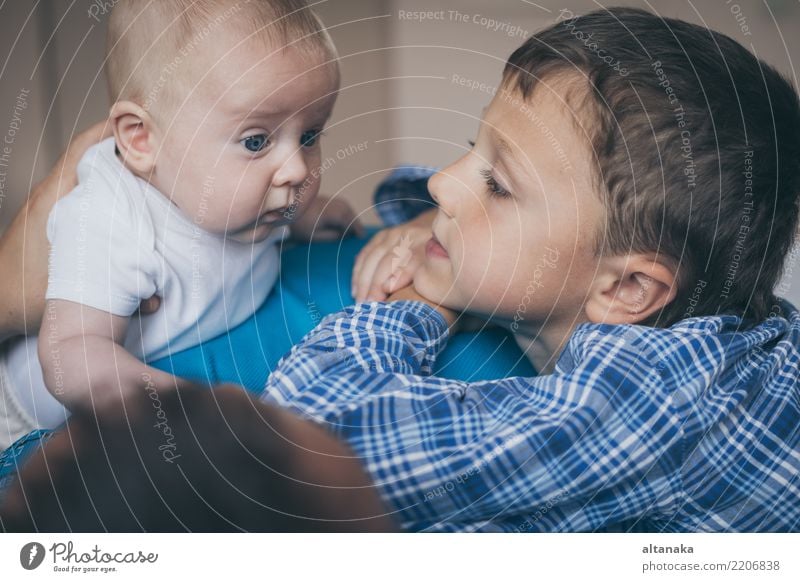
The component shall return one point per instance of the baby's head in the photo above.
(220, 104)
(630, 169)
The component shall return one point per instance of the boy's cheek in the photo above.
(435, 285)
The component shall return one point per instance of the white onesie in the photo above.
(115, 240)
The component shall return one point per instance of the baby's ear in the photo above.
(630, 289)
(136, 135)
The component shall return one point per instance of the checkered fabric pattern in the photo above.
(690, 428)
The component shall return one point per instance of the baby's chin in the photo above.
(254, 234)
(257, 234)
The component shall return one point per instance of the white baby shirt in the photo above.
(116, 240)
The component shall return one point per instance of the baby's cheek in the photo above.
(211, 216)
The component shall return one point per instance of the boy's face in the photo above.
(517, 215)
(245, 145)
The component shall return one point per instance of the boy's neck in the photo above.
(543, 346)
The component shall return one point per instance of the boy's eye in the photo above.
(471, 143)
(495, 189)
(309, 138)
(256, 143)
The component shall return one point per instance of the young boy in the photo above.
(628, 219)
(217, 115)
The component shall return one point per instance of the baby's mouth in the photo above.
(273, 217)
(435, 249)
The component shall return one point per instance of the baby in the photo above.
(217, 115)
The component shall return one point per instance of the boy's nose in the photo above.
(439, 186)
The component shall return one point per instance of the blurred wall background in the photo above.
(411, 89)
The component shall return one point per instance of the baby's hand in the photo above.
(326, 219)
(388, 262)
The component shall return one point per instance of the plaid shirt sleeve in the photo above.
(594, 444)
(404, 194)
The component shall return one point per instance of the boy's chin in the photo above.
(436, 290)
(475, 302)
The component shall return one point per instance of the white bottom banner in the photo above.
(353, 557)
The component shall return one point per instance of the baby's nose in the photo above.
(292, 172)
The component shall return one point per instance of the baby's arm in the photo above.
(82, 359)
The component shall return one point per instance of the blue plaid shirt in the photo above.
(404, 195)
(689, 428)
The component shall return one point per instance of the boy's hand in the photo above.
(326, 219)
(410, 293)
(388, 262)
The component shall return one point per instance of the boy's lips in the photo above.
(435, 249)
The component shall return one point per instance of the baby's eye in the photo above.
(256, 143)
(494, 187)
(310, 138)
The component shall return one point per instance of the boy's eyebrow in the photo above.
(504, 147)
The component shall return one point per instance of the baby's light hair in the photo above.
(150, 42)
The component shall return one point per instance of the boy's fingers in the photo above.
(367, 273)
(376, 294)
(362, 256)
(398, 280)
(395, 282)
(402, 275)
(359, 264)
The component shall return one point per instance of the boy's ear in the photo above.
(630, 289)
(136, 135)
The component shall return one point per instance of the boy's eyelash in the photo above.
(495, 189)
